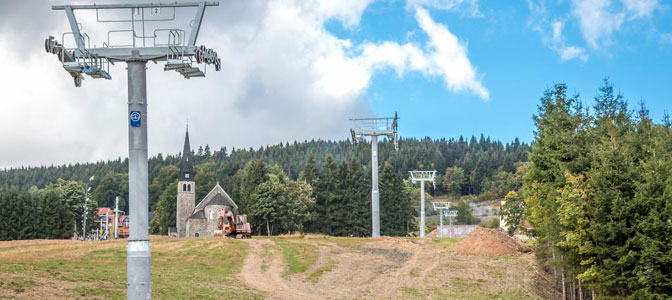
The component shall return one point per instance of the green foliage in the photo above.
(598, 195)
(453, 181)
(165, 211)
(111, 186)
(50, 213)
(166, 175)
(512, 211)
(265, 203)
(336, 171)
(397, 212)
(492, 223)
(465, 213)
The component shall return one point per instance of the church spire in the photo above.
(186, 167)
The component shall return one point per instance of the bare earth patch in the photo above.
(394, 268)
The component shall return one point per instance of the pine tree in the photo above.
(357, 201)
(326, 196)
(310, 172)
(395, 205)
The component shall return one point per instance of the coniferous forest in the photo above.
(597, 193)
(315, 186)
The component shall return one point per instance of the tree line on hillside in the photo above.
(598, 196)
(336, 176)
(478, 165)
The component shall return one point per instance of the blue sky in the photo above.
(515, 65)
(295, 70)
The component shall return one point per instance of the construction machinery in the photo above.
(234, 225)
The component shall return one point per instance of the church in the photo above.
(202, 219)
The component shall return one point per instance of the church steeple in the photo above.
(186, 167)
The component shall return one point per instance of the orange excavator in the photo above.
(234, 225)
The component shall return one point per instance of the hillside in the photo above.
(284, 268)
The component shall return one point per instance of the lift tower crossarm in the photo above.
(139, 5)
(74, 27)
(197, 24)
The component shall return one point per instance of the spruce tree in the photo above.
(395, 207)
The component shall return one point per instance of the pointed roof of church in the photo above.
(186, 167)
(216, 196)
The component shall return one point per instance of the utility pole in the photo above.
(375, 127)
(116, 217)
(168, 44)
(86, 207)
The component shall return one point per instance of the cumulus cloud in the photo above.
(445, 57)
(284, 77)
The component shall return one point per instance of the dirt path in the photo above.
(270, 279)
(376, 270)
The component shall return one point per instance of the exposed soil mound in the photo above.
(484, 241)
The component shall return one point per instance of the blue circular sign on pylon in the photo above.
(136, 118)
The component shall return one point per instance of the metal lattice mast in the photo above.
(375, 127)
(180, 53)
(422, 177)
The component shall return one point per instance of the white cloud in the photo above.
(283, 78)
(640, 8)
(597, 19)
(551, 33)
(467, 7)
(600, 19)
(348, 12)
(445, 57)
(557, 44)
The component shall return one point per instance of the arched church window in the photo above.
(184, 187)
(188, 187)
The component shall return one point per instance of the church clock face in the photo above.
(186, 175)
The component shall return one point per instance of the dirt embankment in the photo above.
(484, 241)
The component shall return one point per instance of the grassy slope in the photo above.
(208, 267)
(190, 269)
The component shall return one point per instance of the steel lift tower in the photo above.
(441, 207)
(450, 214)
(374, 127)
(140, 26)
(422, 177)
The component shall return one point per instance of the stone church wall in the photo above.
(198, 226)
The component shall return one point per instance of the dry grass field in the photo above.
(312, 267)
